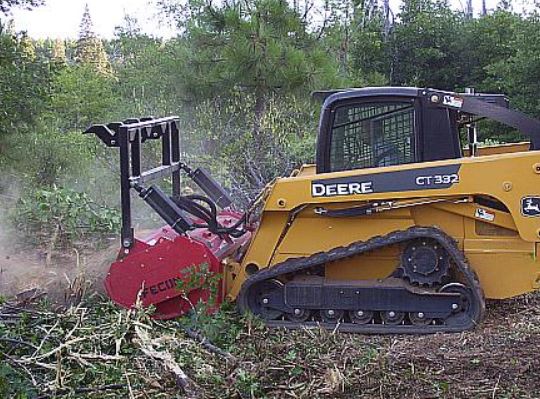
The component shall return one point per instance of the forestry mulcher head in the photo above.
(172, 268)
(403, 225)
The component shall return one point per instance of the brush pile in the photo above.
(94, 350)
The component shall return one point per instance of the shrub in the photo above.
(63, 217)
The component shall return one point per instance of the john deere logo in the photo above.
(530, 206)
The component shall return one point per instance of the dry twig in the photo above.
(148, 347)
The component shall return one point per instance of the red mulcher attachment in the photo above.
(167, 269)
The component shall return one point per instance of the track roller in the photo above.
(392, 317)
(361, 316)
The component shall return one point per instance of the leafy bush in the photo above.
(218, 134)
(13, 384)
(46, 156)
(63, 217)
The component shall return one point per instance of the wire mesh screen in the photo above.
(372, 135)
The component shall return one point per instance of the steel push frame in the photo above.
(129, 136)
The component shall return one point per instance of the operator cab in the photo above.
(384, 126)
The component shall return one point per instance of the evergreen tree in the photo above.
(90, 50)
(260, 47)
(58, 53)
(28, 48)
(426, 50)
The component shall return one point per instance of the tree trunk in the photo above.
(258, 114)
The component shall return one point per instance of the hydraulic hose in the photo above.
(205, 209)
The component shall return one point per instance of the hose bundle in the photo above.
(205, 209)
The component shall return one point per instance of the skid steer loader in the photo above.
(397, 228)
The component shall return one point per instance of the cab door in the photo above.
(370, 134)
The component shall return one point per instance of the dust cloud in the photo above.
(24, 267)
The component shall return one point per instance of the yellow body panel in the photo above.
(502, 250)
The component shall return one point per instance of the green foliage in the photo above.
(238, 74)
(13, 383)
(261, 46)
(57, 158)
(90, 49)
(485, 42)
(82, 95)
(425, 48)
(518, 73)
(96, 343)
(199, 277)
(248, 384)
(219, 134)
(221, 328)
(370, 56)
(149, 72)
(286, 139)
(63, 217)
(220, 325)
(24, 84)
(7, 5)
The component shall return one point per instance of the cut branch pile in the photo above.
(95, 350)
(91, 348)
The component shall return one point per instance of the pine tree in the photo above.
(90, 50)
(261, 47)
(28, 48)
(58, 55)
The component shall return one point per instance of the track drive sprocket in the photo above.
(425, 262)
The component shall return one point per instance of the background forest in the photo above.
(240, 74)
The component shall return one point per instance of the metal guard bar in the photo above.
(128, 137)
(149, 129)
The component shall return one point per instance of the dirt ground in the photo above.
(27, 269)
(498, 359)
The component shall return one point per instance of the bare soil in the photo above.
(26, 269)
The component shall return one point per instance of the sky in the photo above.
(61, 18)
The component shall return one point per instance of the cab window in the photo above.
(372, 135)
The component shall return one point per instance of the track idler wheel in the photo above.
(261, 296)
(462, 312)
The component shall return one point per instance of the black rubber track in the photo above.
(298, 265)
